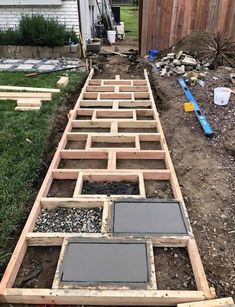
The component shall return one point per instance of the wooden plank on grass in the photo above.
(27, 108)
(29, 89)
(18, 95)
(29, 102)
(62, 82)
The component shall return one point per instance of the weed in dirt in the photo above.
(23, 140)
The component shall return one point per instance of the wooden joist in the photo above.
(223, 302)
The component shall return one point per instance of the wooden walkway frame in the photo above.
(120, 107)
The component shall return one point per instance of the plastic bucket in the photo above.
(111, 35)
(222, 95)
(152, 54)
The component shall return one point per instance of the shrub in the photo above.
(9, 37)
(36, 30)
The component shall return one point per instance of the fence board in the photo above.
(165, 22)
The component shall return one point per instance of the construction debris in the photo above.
(179, 63)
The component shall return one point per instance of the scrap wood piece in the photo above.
(29, 102)
(211, 303)
(114, 52)
(62, 82)
(18, 95)
(29, 89)
(27, 108)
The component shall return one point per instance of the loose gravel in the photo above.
(69, 220)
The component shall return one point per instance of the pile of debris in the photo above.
(179, 63)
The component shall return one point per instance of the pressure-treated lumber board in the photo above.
(211, 303)
(56, 238)
(100, 297)
(17, 95)
(29, 102)
(62, 82)
(29, 108)
(29, 89)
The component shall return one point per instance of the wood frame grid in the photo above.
(129, 100)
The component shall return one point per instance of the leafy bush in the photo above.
(36, 30)
(9, 37)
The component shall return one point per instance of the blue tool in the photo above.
(202, 119)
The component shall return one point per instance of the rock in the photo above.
(171, 55)
(206, 64)
(179, 54)
(160, 64)
(232, 78)
(163, 72)
(188, 60)
(198, 67)
(176, 62)
(179, 70)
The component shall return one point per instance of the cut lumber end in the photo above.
(29, 102)
(62, 82)
(27, 108)
(223, 302)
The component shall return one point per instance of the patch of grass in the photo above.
(129, 15)
(23, 140)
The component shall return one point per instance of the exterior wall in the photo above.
(87, 18)
(66, 13)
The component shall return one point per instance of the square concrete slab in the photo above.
(24, 67)
(46, 67)
(148, 217)
(106, 262)
(52, 62)
(32, 61)
(5, 66)
(12, 61)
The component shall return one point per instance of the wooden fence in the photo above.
(165, 22)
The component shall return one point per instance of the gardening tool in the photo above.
(200, 116)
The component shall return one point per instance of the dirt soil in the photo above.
(205, 169)
(38, 268)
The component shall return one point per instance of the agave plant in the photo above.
(218, 51)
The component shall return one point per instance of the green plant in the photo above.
(36, 30)
(9, 37)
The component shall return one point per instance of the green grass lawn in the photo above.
(129, 15)
(23, 139)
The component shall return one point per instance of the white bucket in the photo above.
(111, 36)
(222, 95)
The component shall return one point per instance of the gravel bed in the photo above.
(69, 220)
